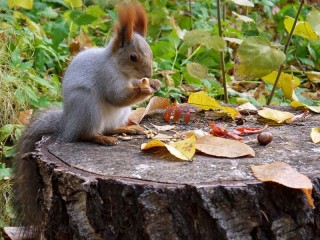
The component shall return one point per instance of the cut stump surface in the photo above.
(120, 192)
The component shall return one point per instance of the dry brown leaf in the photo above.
(221, 147)
(155, 103)
(284, 174)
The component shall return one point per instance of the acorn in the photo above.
(264, 138)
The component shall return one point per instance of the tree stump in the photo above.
(120, 192)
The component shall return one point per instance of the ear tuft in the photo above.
(140, 21)
(131, 18)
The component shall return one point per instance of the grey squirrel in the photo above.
(99, 87)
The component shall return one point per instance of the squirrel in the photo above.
(99, 87)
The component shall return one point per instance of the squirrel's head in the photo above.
(134, 55)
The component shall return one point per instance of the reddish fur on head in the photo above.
(132, 18)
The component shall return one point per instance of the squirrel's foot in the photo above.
(132, 129)
(103, 140)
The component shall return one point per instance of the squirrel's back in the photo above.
(99, 87)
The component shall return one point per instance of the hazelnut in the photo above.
(264, 138)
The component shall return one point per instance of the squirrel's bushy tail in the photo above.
(27, 182)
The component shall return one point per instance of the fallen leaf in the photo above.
(163, 128)
(203, 101)
(284, 174)
(298, 117)
(297, 104)
(247, 106)
(313, 76)
(155, 103)
(275, 115)
(221, 147)
(315, 134)
(197, 132)
(184, 149)
(162, 137)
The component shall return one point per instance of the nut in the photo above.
(264, 138)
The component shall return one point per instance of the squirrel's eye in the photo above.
(133, 57)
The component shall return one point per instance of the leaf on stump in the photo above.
(203, 101)
(315, 134)
(275, 115)
(297, 104)
(221, 147)
(184, 149)
(284, 174)
(163, 127)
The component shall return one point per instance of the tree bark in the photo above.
(98, 192)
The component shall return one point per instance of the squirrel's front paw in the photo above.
(146, 86)
(155, 84)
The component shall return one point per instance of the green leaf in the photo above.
(95, 11)
(6, 131)
(48, 12)
(74, 3)
(313, 19)
(196, 37)
(5, 173)
(41, 81)
(59, 31)
(256, 58)
(81, 18)
(197, 70)
(26, 4)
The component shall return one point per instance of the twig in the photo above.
(285, 52)
(224, 81)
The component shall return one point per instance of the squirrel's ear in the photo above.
(124, 27)
(140, 20)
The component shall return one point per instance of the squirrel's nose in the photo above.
(148, 73)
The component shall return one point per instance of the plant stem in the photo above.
(224, 81)
(285, 52)
(190, 10)
(191, 55)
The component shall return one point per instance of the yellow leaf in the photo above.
(74, 3)
(203, 101)
(31, 24)
(287, 86)
(313, 76)
(284, 174)
(315, 134)
(275, 115)
(184, 149)
(297, 104)
(26, 4)
(302, 29)
(271, 78)
(222, 147)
